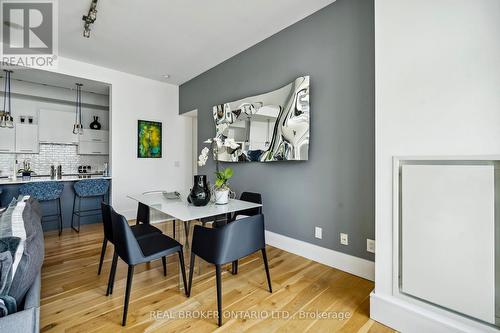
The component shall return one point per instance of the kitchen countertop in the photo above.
(65, 178)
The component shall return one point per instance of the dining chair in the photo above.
(250, 197)
(134, 251)
(139, 231)
(143, 212)
(226, 244)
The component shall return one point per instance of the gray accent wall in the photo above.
(335, 188)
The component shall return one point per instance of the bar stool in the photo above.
(86, 189)
(44, 192)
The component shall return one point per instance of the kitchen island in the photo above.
(10, 189)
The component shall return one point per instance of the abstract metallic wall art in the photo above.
(270, 127)
(149, 139)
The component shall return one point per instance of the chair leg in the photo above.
(164, 262)
(79, 210)
(112, 272)
(264, 256)
(73, 212)
(191, 270)
(103, 252)
(127, 293)
(59, 212)
(187, 225)
(183, 270)
(186, 230)
(103, 200)
(218, 276)
(234, 267)
(173, 229)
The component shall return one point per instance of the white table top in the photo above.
(184, 211)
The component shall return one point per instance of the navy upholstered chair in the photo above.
(136, 251)
(44, 192)
(84, 189)
(139, 230)
(226, 244)
(250, 197)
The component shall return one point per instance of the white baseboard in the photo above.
(347, 263)
(410, 318)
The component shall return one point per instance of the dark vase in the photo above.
(96, 125)
(200, 193)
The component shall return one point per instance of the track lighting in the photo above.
(89, 19)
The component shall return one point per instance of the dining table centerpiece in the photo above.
(221, 190)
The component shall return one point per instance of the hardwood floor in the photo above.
(73, 295)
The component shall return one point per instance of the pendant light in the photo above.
(6, 119)
(78, 127)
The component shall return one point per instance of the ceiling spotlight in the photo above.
(166, 76)
(89, 19)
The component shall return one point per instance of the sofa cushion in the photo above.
(5, 271)
(32, 258)
(6, 220)
(9, 246)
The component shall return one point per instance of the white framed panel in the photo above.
(447, 233)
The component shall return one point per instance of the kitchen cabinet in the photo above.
(93, 142)
(27, 139)
(7, 140)
(57, 127)
(90, 135)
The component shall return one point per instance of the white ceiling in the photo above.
(182, 38)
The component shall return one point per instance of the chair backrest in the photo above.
(91, 187)
(251, 197)
(42, 191)
(230, 242)
(142, 214)
(106, 221)
(126, 244)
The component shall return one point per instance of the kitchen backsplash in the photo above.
(52, 154)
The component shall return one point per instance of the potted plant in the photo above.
(221, 188)
(26, 171)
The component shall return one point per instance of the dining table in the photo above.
(178, 208)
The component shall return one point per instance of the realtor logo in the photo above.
(29, 33)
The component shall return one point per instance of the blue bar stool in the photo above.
(43, 192)
(84, 189)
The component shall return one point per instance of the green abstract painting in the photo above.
(149, 139)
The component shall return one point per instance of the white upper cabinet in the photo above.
(7, 140)
(94, 142)
(27, 139)
(94, 135)
(57, 127)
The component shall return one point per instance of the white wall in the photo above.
(133, 98)
(437, 93)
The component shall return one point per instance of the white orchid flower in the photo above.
(205, 151)
(202, 161)
(208, 141)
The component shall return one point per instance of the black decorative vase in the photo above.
(200, 193)
(96, 125)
